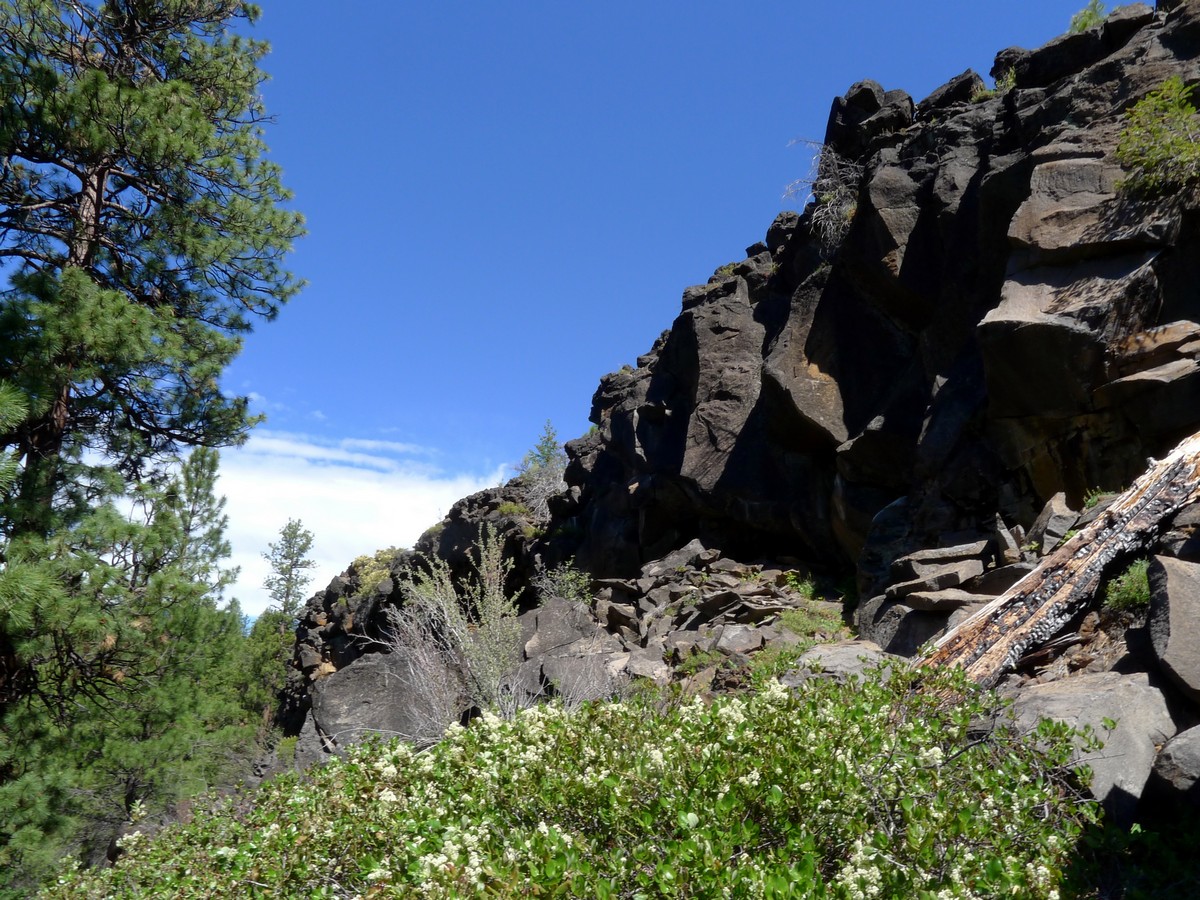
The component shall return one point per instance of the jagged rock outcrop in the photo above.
(1001, 324)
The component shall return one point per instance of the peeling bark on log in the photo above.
(1032, 611)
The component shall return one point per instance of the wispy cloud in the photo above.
(263, 404)
(385, 447)
(355, 495)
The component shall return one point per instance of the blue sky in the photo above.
(505, 201)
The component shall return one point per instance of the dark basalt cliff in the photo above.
(999, 324)
(921, 405)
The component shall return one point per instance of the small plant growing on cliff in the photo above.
(833, 185)
(1005, 83)
(802, 585)
(565, 581)
(1130, 590)
(1160, 145)
(1088, 17)
(372, 570)
(514, 510)
(541, 473)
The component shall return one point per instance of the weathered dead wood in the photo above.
(990, 642)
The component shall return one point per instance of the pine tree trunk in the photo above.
(42, 438)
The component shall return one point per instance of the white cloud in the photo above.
(354, 495)
(263, 403)
(385, 446)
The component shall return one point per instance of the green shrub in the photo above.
(867, 789)
(515, 510)
(812, 620)
(462, 639)
(1159, 144)
(1005, 83)
(775, 660)
(1130, 590)
(565, 581)
(285, 750)
(1088, 17)
(372, 570)
(697, 661)
(802, 585)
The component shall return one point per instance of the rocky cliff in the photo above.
(998, 325)
(923, 403)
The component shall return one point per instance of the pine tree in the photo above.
(143, 226)
(203, 521)
(136, 697)
(142, 230)
(541, 473)
(272, 640)
(289, 565)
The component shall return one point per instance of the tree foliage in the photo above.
(272, 638)
(1088, 17)
(541, 473)
(289, 566)
(132, 700)
(142, 231)
(142, 226)
(1160, 144)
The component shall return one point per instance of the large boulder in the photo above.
(1122, 767)
(567, 653)
(1175, 621)
(393, 694)
(840, 661)
(1177, 769)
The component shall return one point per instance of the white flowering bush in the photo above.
(872, 789)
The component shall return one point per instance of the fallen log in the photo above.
(1066, 581)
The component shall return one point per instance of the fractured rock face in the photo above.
(1000, 332)
(972, 344)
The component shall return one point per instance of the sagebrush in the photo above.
(833, 185)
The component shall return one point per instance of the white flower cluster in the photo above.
(750, 779)
(860, 876)
(931, 756)
(732, 713)
(461, 853)
(130, 840)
